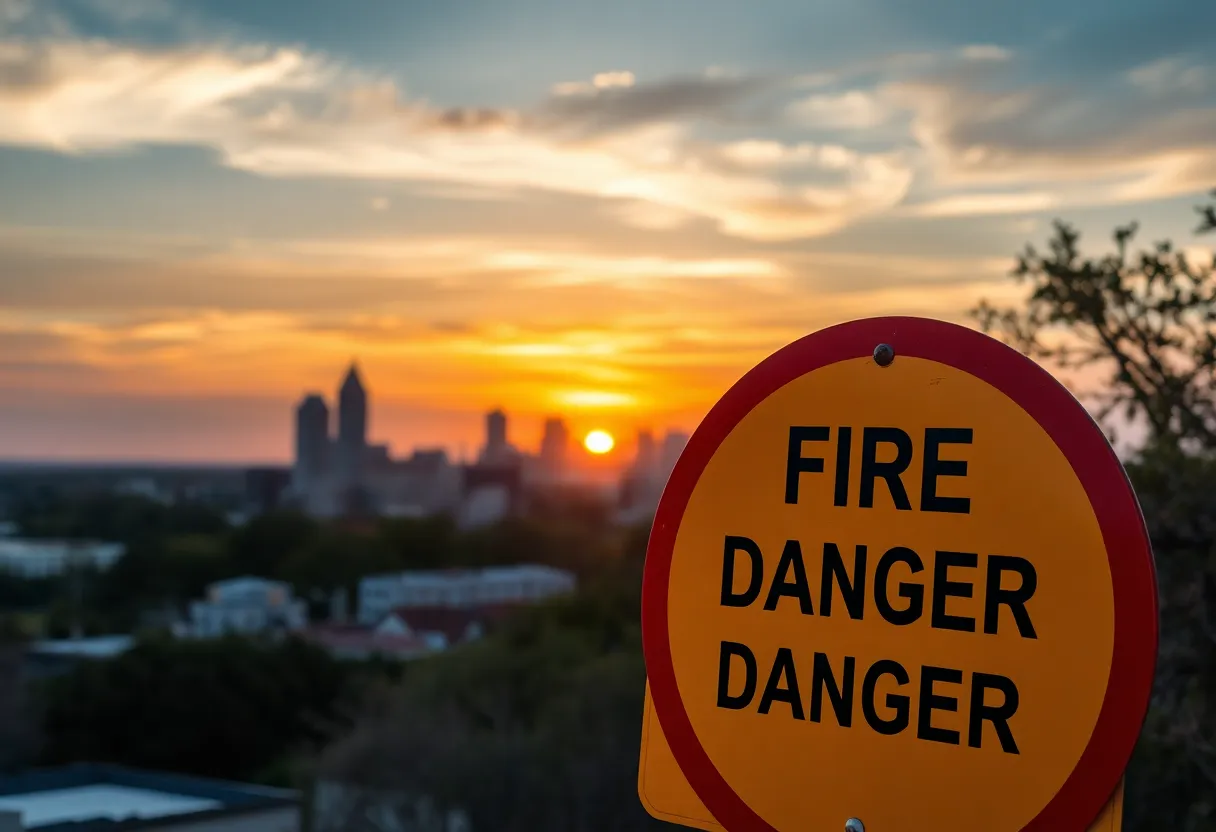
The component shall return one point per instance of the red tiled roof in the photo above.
(346, 637)
(453, 622)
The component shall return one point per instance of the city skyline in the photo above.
(323, 420)
(210, 207)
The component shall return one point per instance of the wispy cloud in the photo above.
(618, 238)
(286, 112)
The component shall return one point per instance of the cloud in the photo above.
(286, 112)
(615, 102)
(970, 205)
(1058, 145)
(985, 52)
(599, 81)
(72, 274)
(852, 110)
(1173, 75)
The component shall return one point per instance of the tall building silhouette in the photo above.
(312, 441)
(554, 445)
(497, 450)
(340, 473)
(351, 446)
(647, 456)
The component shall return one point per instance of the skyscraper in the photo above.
(496, 450)
(352, 427)
(312, 441)
(647, 453)
(554, 444)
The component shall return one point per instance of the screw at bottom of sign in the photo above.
(854, 825)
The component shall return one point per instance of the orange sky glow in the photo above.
(208, 212)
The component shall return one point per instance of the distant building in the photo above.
(245, 606)
(312, 442)
(497, 448)
(647, 453)
(380, 595)
(103, 798)
(351, 446)
(355, 642)
(54, 656)
(554, 448)
(642, 485)
(489, 496)
(408, 632)
(341, 805)
(673, 445)
(27, 558)
(265, 488)
(451, 625)
(342, 474)
(146, 487)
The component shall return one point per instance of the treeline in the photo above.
(266, 711)
(175, 551)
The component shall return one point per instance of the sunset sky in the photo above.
(604, 210)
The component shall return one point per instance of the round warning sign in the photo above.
(908, 584)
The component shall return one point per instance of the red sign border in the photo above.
(1133, 573)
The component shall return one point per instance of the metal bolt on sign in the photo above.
(854, 825)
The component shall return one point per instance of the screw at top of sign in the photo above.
(853, 824)
(883, 355)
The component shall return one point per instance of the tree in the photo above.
(532, 730)
(266, 542)
(1172, 779)
(17, 734)
(1149, 317)
(228, 708)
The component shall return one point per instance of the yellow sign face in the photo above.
(892, 591)
(668, 796)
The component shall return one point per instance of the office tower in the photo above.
(647, 453)
(554, 445)
(496, 447)
(673, 446)
(312, 441)
(352, 428)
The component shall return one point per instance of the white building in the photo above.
(27, 558)
(484, 506)
(528, 583)
(246, 606)
(100, 797)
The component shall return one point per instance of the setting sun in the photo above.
(599, 442)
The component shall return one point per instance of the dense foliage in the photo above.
(536, 728)
(227, 708)
(1149, 320)
(174, 552)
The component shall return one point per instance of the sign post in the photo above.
(897, 582)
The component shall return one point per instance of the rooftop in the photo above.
(105, 802)
(38, 547)
(103, 798)
(447, 576)
(96, 647)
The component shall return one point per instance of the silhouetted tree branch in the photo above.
(1151, 316)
